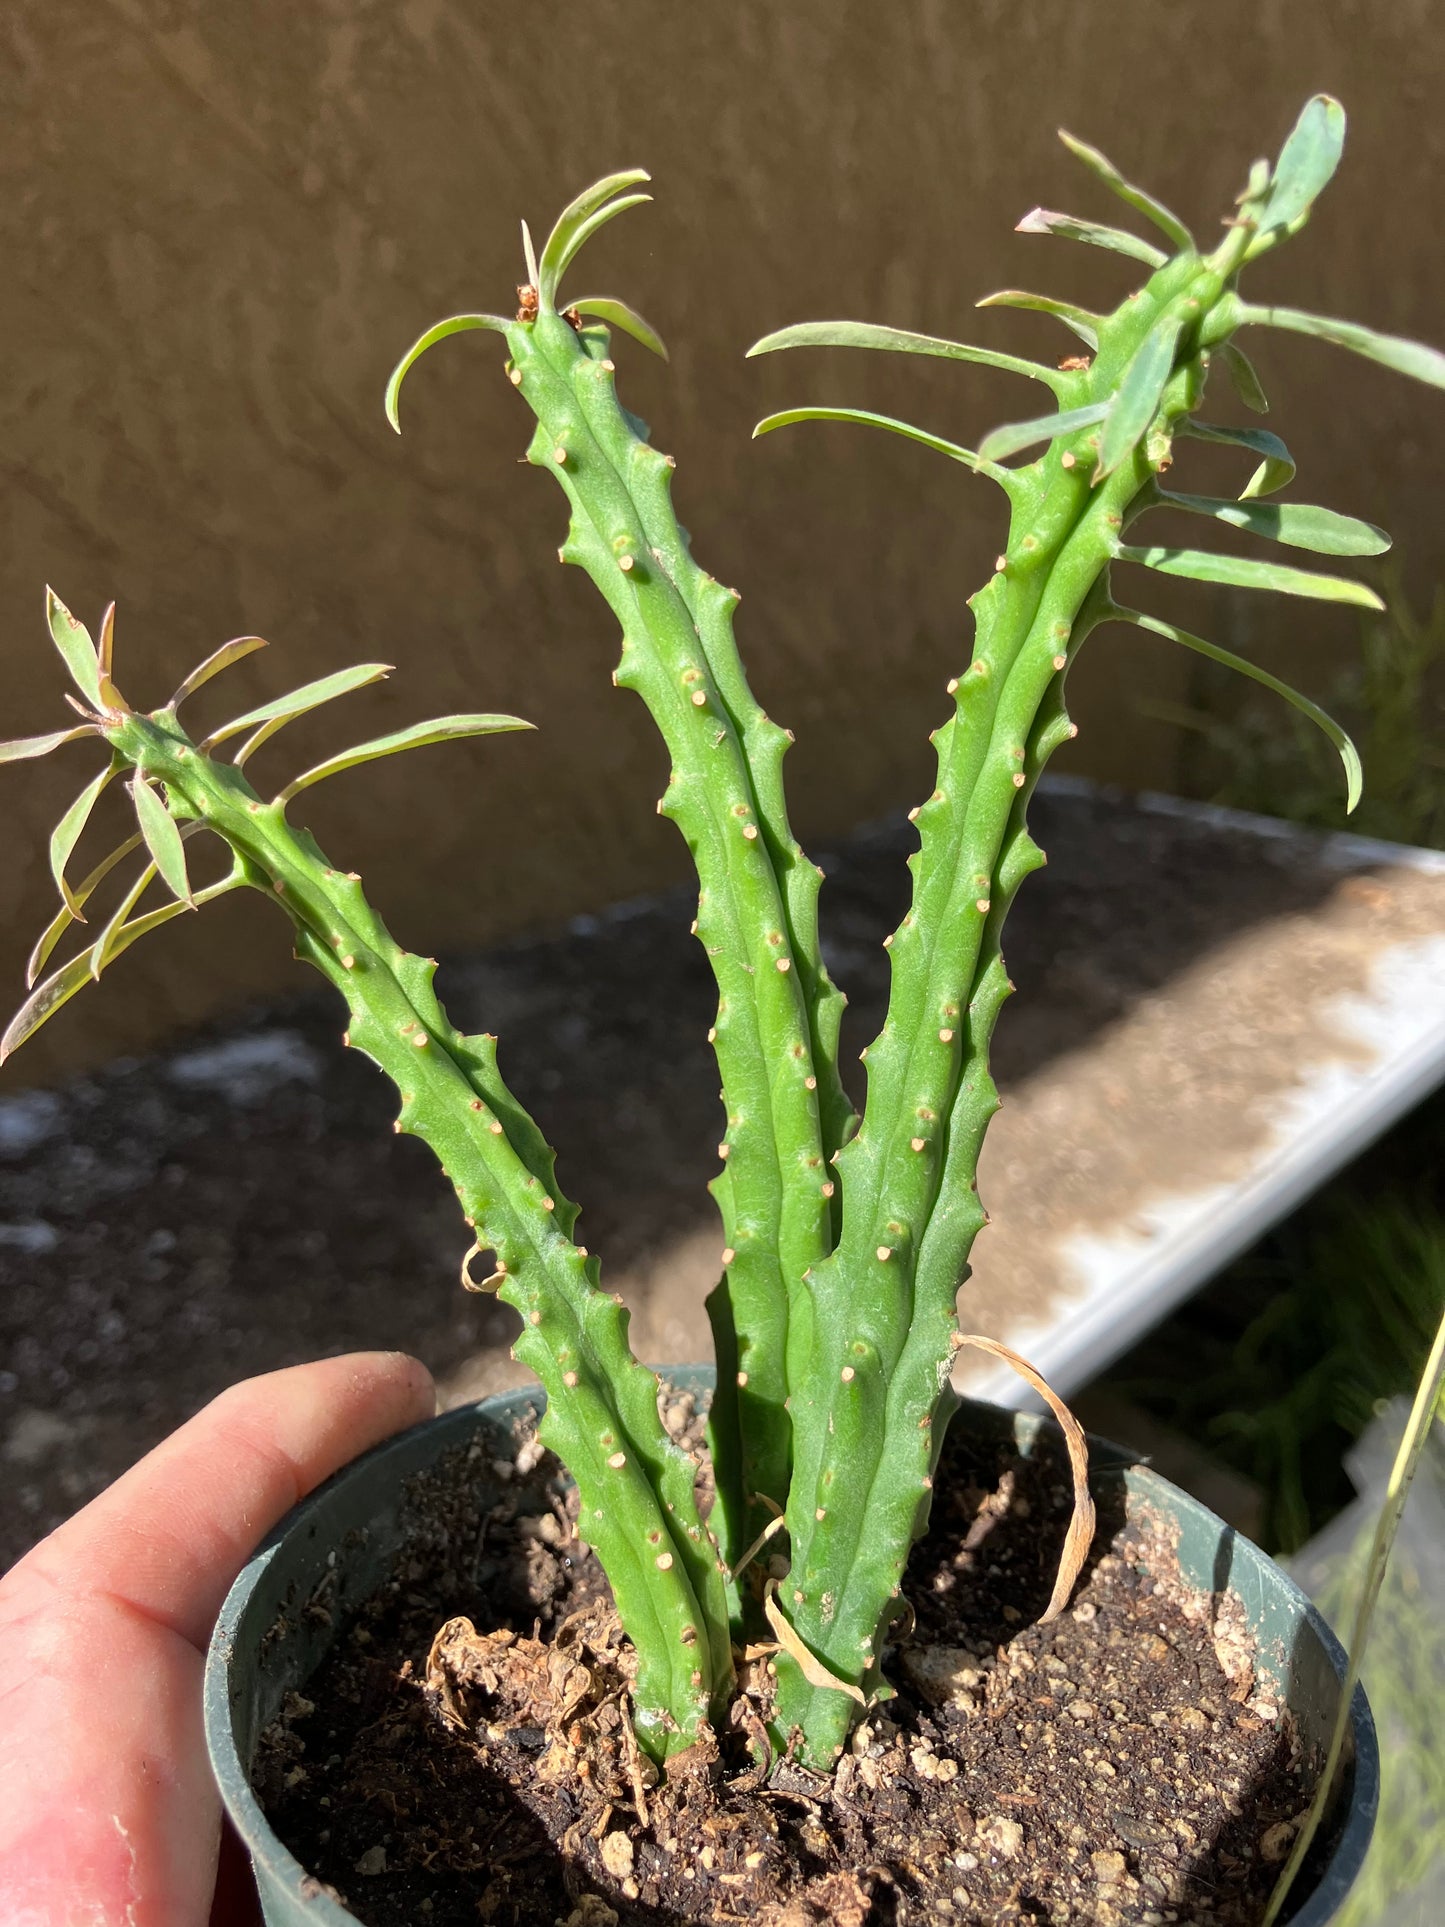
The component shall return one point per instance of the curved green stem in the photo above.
(778, 1013)
(635, 1485)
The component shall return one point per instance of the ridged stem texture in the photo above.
(870, 1410)
(634, 1483)
(776, 1028)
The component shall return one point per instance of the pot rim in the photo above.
(266, 1849)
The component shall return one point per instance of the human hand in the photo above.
(110, 1816)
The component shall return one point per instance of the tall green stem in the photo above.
(777, 1020)
(870, 1403)
(635, 1485)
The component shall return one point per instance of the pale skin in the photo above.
(110, 1816)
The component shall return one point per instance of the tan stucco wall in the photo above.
(221, 224)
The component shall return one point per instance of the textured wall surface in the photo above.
(221, 224)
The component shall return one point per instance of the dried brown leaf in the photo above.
(1080, 1535)
(812, 1669)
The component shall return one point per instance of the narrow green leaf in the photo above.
(257, 737)
(1237, 571)
(1142, 203)
(296, 702)
(864, 418)
(110, 696)
(1275, 472)
(1300, 525)
(67, 834)
(101, 951)
(72, 639)
(454, 324)
(1244, 377)
(44, 1002)
(577, 240)
(223, 657)
(105, 648)
(870, 334)
(1410, 358)
(24, 748)
(75, 975)
(1082, 321)
(1044, 220)
(162, 837)
(442, 729)
(1013, 436)
(617, 314)
(80, 895)
(1135, 401)
(555, 255)
(1306, 163)
(1349, 755)
(529, 255)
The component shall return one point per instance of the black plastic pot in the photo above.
(339, 1544)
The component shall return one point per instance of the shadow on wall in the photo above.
(224, 224)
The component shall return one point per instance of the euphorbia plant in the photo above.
(845, 1238)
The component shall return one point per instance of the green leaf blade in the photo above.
(110, 696)
(101, 951)
(865, 418)
(442, 729)
(1348, 754)
(67, 833)
(559, 248)
(1082, 321)
(1244, 376)
(1405, 357)
(1045, 220)
(1014, 436)
(551, 272)
(1305, 167)
(454, 324)
(1104, 170)
(63, 918)
(219, 659)
(311, 695)
(77, 651)
(24, 749)
(162, 838)
(73, 976)
(617, 314)
(1240, 572)
(1276, 470)
(1136, 400)
(1299, 525)
(43, 1003)
(871, 334)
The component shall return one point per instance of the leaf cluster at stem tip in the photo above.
(161, 828)
(1137, 393)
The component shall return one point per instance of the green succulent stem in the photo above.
(635, 1485)
(776, 1029)
(870, 1410)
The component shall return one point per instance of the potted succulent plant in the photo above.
(711, 1735)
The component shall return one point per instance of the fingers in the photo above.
(171, 1534)
(102, 1631)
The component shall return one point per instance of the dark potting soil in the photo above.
(464, 1754)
